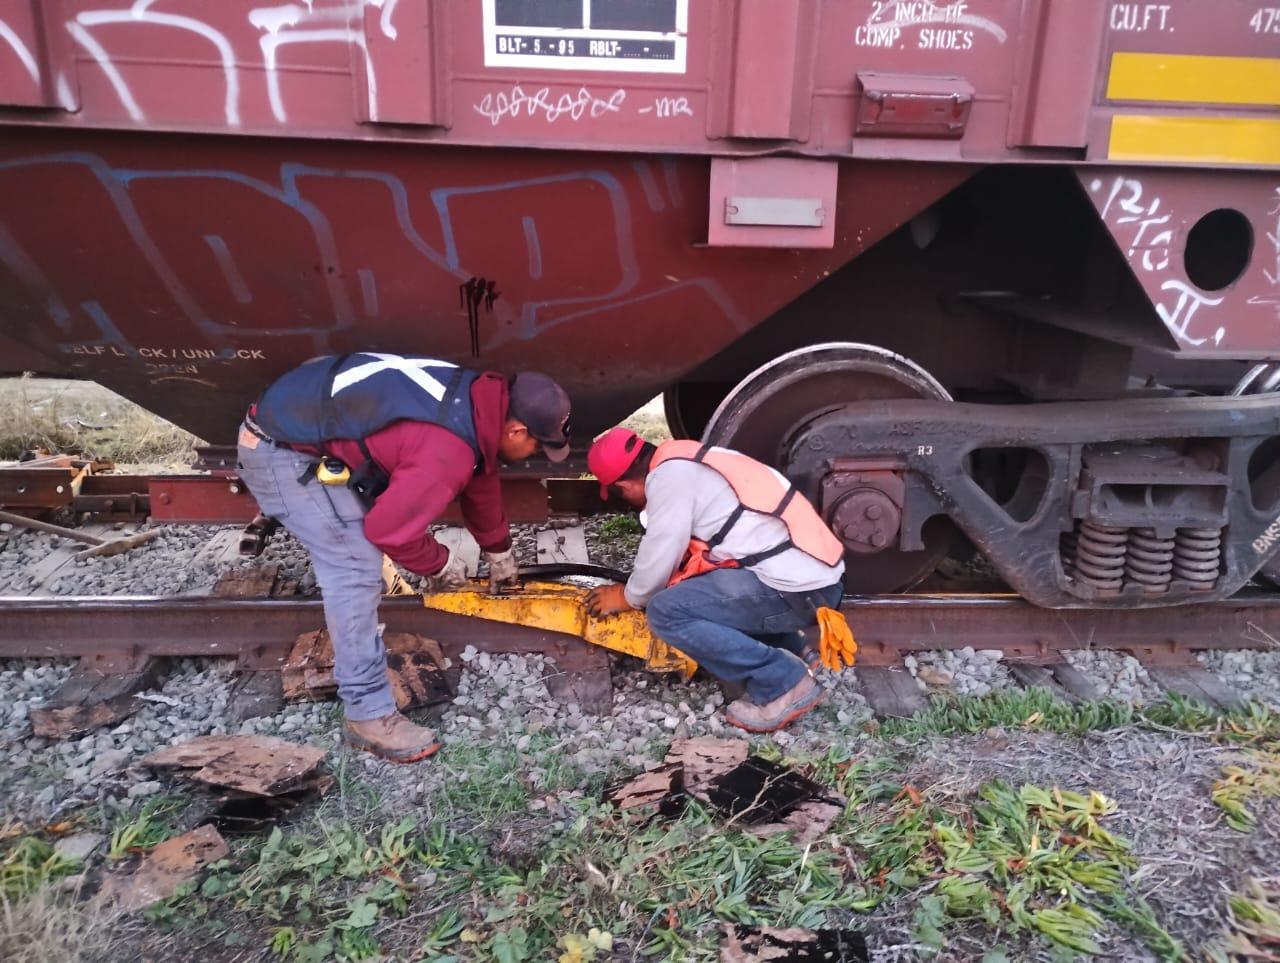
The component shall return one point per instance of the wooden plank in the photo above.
(459, 541)
(891, 692)
(1196, 682)
(562, 545)
(51, 568)
(1221, 694)
(1077, 684)
(223, 548)
(589, 683)
(90, 699)
(256, 692)
(251, 581)
(1031, 676)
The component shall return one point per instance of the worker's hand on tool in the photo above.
(607, 600)
(504, 573)
(450, 578)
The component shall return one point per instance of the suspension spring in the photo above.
(1150, 560)
(1196, 554)
(1100, 553)
(1068, 545)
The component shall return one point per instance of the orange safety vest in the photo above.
(759, 489)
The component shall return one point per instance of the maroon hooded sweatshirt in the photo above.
(430, 467)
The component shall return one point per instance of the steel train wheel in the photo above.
(689, 405)
(762, 415)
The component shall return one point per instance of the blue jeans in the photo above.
(739, 629)
(329, 521)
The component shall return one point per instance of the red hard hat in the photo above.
(612, 454)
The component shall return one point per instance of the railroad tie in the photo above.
(99, 692)
(890, 691)
(558, 546)
(1196, 682)
(1062, 679)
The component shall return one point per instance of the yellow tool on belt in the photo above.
(835, 643)
(562, 608)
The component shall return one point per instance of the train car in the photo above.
(1001, 274)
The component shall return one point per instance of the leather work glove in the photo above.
(607, 600)
(835, 644)
(504, 573)
(450, 578)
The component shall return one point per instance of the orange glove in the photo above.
(836, 644)
(607, 600)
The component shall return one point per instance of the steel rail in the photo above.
(259, 631)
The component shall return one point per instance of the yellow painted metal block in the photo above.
(562, 608)
(1189, 79)
(1201, 140)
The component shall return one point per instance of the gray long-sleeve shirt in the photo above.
(687, 500)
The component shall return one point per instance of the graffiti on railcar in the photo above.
(206, 266)
(541, 103)
(1146, 230)
(1272, 271)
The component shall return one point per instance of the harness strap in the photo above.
(768, 553)
(786, 500)
(737, 513)
(729, 522)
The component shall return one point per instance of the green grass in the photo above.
(1037, 709)
(479, 877)
(1009, 709)
(471, 873)
(621, 526)
(29, 863)
(500, 883)
(1252, 774)
(1029, 860)
(153, 824)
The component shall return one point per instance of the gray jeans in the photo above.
(328, 520)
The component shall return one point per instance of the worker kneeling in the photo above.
(356, 456)
(734, 562)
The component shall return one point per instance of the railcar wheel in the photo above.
(689, 405)
(768, 409)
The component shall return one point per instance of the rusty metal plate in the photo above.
(897, 105)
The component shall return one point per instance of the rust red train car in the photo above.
(992, 272)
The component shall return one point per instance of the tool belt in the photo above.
(252, 426)
(367, 480)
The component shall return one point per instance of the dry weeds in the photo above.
(54, 925)
(72, 416)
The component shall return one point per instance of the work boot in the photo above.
(393, 737)
(778, 713)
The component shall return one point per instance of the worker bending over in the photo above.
(733, 563)
(356, 456)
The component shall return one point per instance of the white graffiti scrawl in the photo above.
(1272, 273)
(542, 103)
(1144, 230)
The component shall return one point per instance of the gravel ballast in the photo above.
(500, 697)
